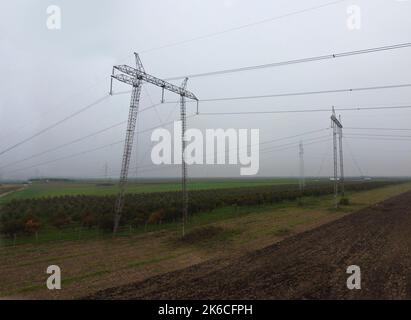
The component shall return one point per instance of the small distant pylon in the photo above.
(337, 132)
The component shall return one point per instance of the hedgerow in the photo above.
(25, 216)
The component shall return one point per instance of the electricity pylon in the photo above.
(340, 132)
(337, 131)
(302, 175)
(183, 162)
(136, 77)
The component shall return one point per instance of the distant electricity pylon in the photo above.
(135, 77)
(341, 157)
(337, 131)
(302, 175)
(183, 148)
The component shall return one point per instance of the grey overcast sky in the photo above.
(49, 74)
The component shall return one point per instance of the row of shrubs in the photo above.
(29, 216)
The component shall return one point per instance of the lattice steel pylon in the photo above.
(340, 138)
(136, 77)
(183, 119)
(337, 131)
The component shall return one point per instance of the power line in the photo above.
(69, 156)
(90, 150)
(304, 93)
(58, 106)
(354, 159)
(54, 125)
(382, 129)
(85, 137)
(300, 93)
(107, 145)
(207, 155)
(324, 157)
(64, 145)
(95, 133)
(244, 26)
(157, 167)
(375, 138)
(269, 149)
(302, 111)
(377, 135)
(296, 146)
(279, 149)
(296, 61)
(260, 143)
(166, 122)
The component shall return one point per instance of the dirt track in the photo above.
(311, 265)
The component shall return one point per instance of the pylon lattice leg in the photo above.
(183, 158)
(128, 145)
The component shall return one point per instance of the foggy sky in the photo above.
(49, 74)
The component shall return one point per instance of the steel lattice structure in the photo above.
(337, 127)
(136, 77)
(183, 119)
(340, 136)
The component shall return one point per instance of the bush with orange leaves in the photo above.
(32, 224)
(157, 217)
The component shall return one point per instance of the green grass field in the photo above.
(54, 188)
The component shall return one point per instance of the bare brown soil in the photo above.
(310, 265)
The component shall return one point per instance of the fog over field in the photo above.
(48, 75)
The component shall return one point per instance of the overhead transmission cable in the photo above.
(376, 138)
(89, 106)
(84, 138)
(63, 145)
(231, 113)
(378, 135)
(382, 129)
(69, 156)
(269, 149)
(354, 159)
(117, 142)
(299, 93)
(217, 113)
(290, 62)
(324, 157)
(305, 93)
(225, 31)
(95, 133)
(244, 26)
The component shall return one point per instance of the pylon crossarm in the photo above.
(336, 121)
(132, 73)
(124, 78)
